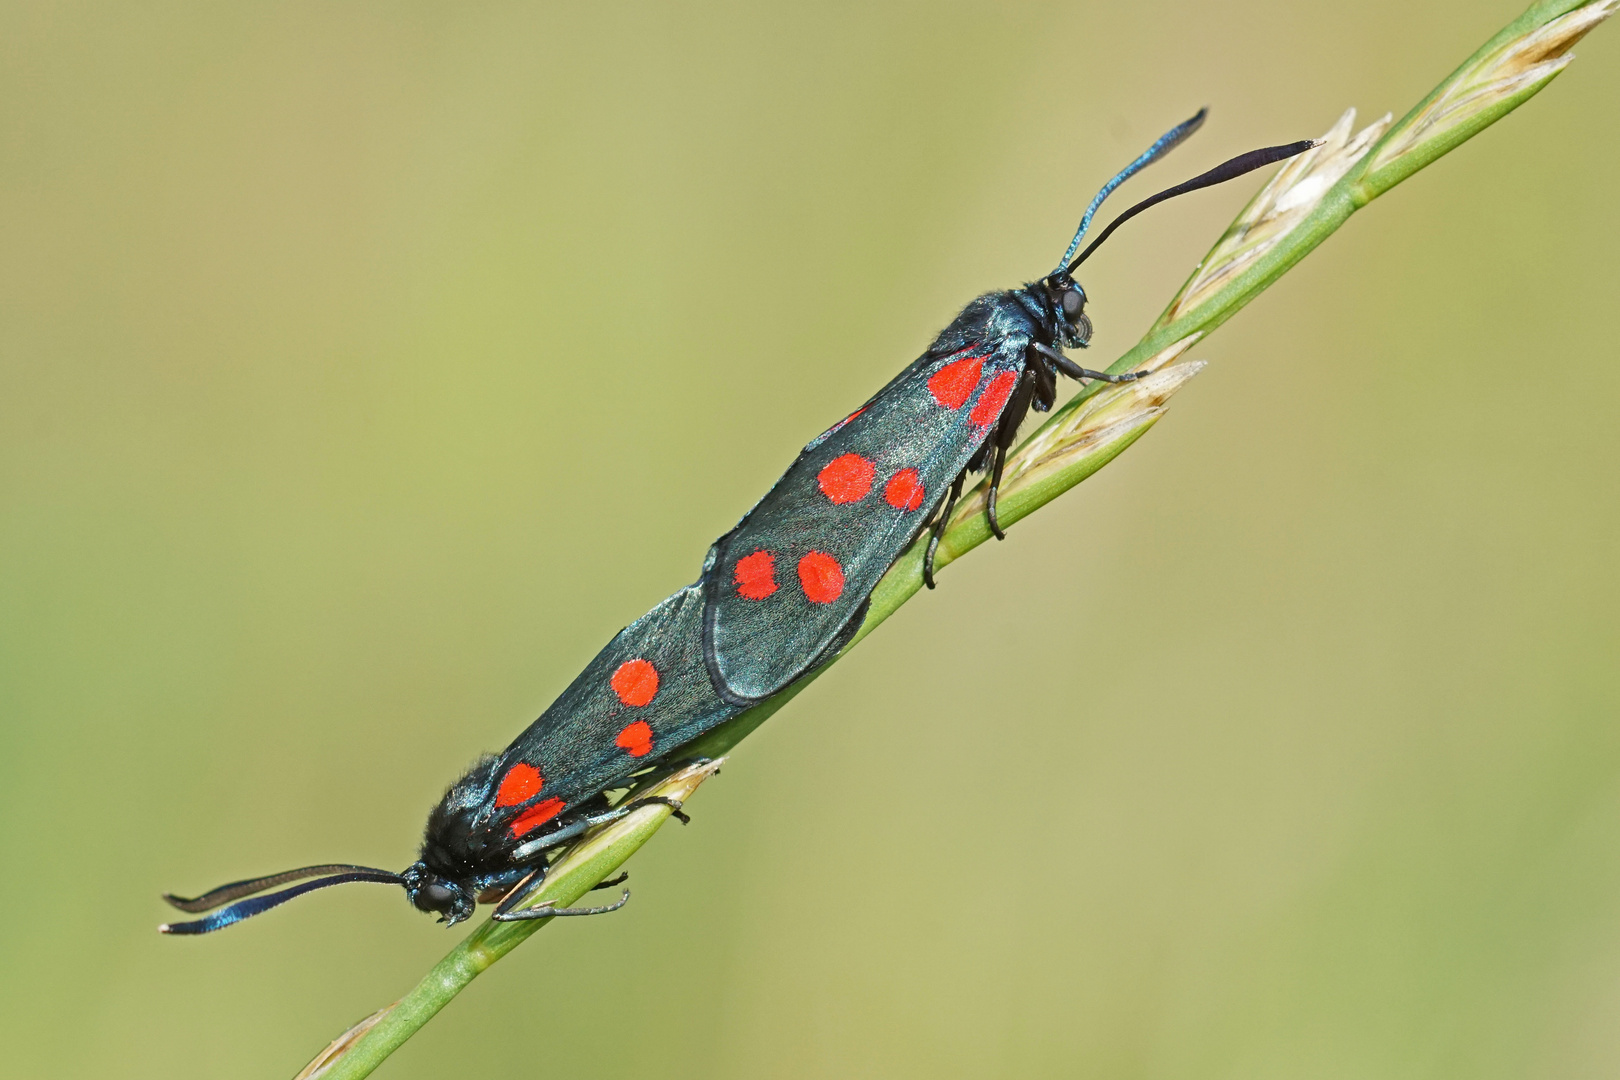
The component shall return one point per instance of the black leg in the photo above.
(939, 528)
(522, 889)
(612, 881)
(527, 887)
(654, 774)
(576, 828)
(1005, 435)
(546, 911)
(653, 800)
(1045, 387)
(1075, 371)
(995, 488)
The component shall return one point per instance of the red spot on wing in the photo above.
(953, 384)
(846, 478)
(636, 738)
(536, 816)
(521, 783)
(756, 575)
(994, 399)
(636, 681)
(821, 577)
(904, 490)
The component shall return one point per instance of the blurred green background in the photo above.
(364, 367)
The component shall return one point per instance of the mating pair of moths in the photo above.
(779, 595)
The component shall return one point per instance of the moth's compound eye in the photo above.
(436, 895)
(1074, 302)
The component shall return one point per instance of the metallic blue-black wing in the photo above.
(788, 586)
(643, 697)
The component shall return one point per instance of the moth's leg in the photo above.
(653, 775)
(526, 889)
(659, 800)
(631, 805)
(494, 888)
(995, 487)
(1006, 434)
(527, 851)
(1075, 371)
(939, 527)
(623, 877)
(1045, 386)
(546, 911)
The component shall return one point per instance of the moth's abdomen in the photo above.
(643, 697)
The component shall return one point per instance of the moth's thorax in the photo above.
(1032, 313)
(454, 844)
(988, 321)
(463, 862)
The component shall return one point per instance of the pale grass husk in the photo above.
(1285, 202)
(1518, 67)
(340, 1045)
(1113, 416)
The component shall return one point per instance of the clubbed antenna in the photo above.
(1166, 143)
(340, 874)
(1220, 174)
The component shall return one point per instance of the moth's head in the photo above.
(436, 894)
(1066, 304)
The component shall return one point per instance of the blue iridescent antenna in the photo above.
(1167, 142)
(341, 874)
(246, 909)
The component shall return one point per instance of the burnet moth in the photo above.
(779, 595)
(643, 697)
(861, 492)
